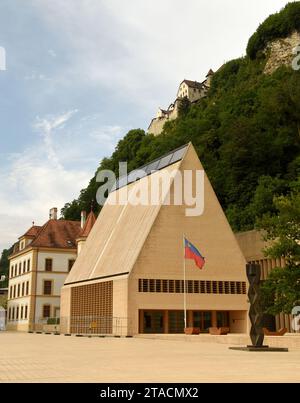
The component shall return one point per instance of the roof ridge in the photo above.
(117, 184)
(39, 233)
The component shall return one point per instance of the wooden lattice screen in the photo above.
(92, 308)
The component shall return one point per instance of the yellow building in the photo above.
(192, 90)
(128, 279)
(39, 265)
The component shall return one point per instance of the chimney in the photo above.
(53, 213)
(83, 218)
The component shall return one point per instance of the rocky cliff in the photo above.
(280, 52)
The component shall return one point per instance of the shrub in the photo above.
(276, 26)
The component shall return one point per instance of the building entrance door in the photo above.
(202, 319)
(153, 321)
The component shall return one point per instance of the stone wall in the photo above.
(157, 124)
(280, 52)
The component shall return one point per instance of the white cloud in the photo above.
(46, 126)
(141, 50)
(107, 134)
(36, 180)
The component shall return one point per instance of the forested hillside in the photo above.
(246, 132)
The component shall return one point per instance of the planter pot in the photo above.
(192, 330)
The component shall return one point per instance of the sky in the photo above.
(81, 73)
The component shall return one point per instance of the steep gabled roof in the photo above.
(127, 237)
(120, 231)
(192, 84)
(90, 221)
(153, 166)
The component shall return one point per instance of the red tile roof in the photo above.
(33, 231)
(88, 225)
(57, 234)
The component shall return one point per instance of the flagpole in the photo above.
(184, 283)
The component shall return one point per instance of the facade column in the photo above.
(166, 321)
(190, 322)
(33, 288)
(141, 321)
(214, 321)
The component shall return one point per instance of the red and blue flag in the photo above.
(191, 252)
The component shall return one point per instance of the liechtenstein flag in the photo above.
(191, 252)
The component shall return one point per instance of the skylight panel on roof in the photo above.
(151, 167)
(136, 174)
(164, 161)
(177, 155)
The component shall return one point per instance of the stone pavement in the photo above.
(47, 358)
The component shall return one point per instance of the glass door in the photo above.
(202, 319)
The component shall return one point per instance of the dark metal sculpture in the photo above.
(255, 312)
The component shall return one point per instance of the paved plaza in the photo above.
(48, 358)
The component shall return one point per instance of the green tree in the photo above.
(3, 301)
(184, 105)
(277, 25)
(4, 266)
(281, 290)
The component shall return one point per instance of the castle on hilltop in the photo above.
(193, 90)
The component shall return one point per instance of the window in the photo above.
(71, 263)
(222, 318)
(192, 286)
(165, 285)
(189, 286)
(232, 287)
(215, 287)
(157, 285)
(202, 287)
(18, 294)
(15, 291)
(21, 312)
(177, 286)
(23, 289)
(17, 313)
(24, 266)
(16, 270)
(208, 287)
(11, 292)
(20, 268)
(48, 264)
(28, 265)
(13, 314)
(47, 287)
(27, 287)
(46, 311)
(26, 312)
(227, 287)
(9, 314)
(152, 289)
